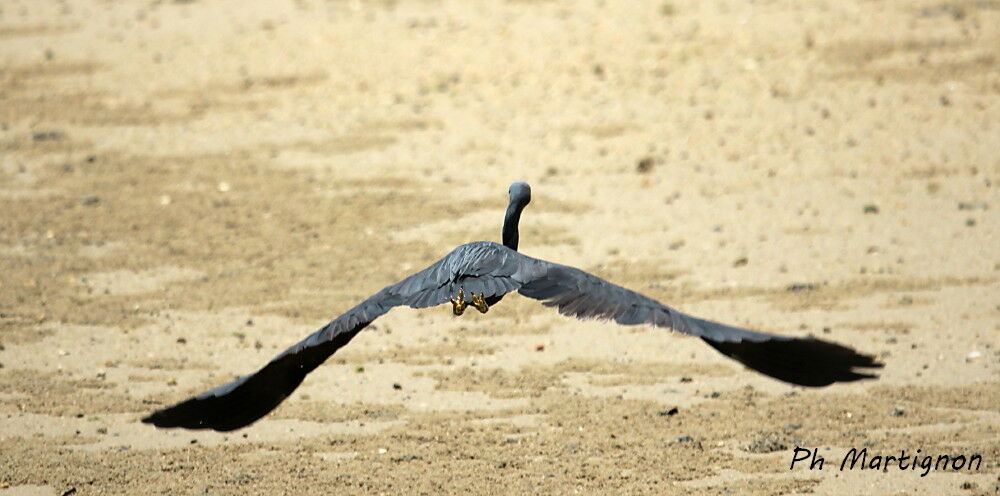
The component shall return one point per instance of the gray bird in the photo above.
(485, 271)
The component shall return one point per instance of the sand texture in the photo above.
(189, 187)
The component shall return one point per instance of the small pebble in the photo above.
(48, 136)
(976, 205)
(800, 286)
(765, 444)
(645, 165)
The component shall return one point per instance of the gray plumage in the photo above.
(493, 270)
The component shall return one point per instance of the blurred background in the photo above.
(188, 187)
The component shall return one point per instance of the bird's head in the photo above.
(520, 194)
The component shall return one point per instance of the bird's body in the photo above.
(487, 271)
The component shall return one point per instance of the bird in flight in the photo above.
(480, 274)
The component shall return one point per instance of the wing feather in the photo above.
(244, 400)
(494, 270)
(803, 361)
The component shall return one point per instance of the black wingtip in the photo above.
(239, 408)
(807, 362)
(241, 402)
(246, 400)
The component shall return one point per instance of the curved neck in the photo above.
(510, 221)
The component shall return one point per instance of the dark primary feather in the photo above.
(494, 270)
(481, 267)
(802, 361)
(806, 361)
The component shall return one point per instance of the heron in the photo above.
(480, 274)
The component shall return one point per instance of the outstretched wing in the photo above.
(478, 268)
(802, 361)
(494, 270)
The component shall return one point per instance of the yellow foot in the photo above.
(480, 303)
(458, 305)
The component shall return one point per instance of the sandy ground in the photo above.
(188, 187)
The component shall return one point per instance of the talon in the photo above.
(480, 303)
(458, 305)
